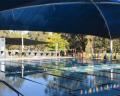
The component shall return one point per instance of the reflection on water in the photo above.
(60, 77)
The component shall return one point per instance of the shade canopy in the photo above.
(9, 4)
(18, 41)
(70, 16)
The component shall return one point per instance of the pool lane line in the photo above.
(98, 84)
(11, 73)
(65, 70)
(48, 68)
(117, 90)
(69, 89)
(53, 68)
(67, 77)
(117, 68)
(60, 69)
(57, 84)
(73, 78)
(97, 70)
(54, 84)
(108, 71)
(8, 85)
(44, 84)
(60, 76)
(79, 73)
(104, 84)
(117, 95)
(79, 89)
(60, 86)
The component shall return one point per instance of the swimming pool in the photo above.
(60, 77)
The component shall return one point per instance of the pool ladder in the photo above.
(17, 92)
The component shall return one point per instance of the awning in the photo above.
(73, 16)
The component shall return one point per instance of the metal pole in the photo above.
(106, 23)
(82, 50)
(22, 69)
(111, 74)
(56, 48)
(22, 42)
(111, 49)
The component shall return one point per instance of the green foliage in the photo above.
(14, 34)
(39, 36)
(116, 45)
(56, 39)
(76, 41)
(89, 45)
(101, 44)
(63, 41)
(104, 44)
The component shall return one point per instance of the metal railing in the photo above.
(16, 91)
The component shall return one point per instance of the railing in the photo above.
(29, 53)
(17, 92)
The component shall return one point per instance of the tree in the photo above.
(89, 45)
(116, 45)
(76, 41)
(56, 39)
(101, 44)
(39, 36)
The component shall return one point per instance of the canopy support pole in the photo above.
(82, 51)
(108, 29)
(22, 69)
(111, 49)
(22, 42)
(100, 11)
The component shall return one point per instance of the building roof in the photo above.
(18, 41)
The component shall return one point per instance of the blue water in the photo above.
(60, 77)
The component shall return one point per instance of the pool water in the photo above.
(60, 77)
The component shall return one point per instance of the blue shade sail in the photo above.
(8, 4)
(115, 0)
(78, 17)
(73, 18)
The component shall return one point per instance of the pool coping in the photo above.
(32, 58)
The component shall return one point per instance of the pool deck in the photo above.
(32, 58)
